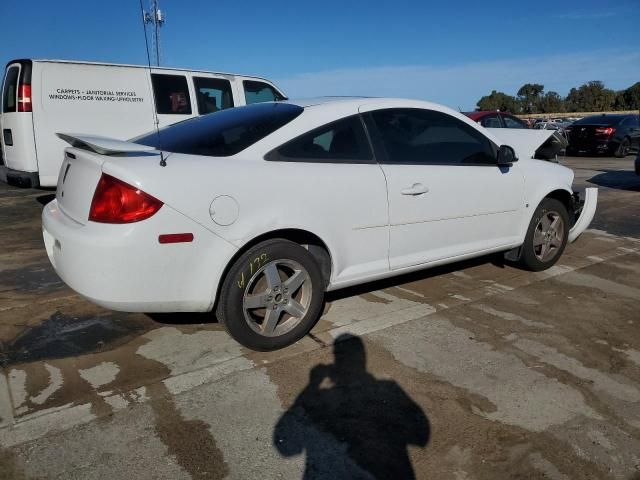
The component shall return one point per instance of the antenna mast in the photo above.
(156, 17)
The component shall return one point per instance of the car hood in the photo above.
(542, 144)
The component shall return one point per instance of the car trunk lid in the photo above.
(82, 168)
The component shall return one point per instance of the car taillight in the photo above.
(24, 98)
(605, 130)
(115, 201)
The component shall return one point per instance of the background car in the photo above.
(495, 119)
(616, 134)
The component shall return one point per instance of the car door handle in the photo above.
(415, 189)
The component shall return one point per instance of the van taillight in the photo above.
(24, 98)
(115, 201)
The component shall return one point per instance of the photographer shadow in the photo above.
(350, 424)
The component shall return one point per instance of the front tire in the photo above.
(546, 237)
(272, 295)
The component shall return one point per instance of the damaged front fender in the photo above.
(585, 212)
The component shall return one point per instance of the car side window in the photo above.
(342, 141)
(213, 94)
(511, 122)
(171, 94)
(490, 121)
(256, 92)
(418, 136)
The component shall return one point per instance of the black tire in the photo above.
(623, 149)
(570, 152)
(529, 258)
(249, 271)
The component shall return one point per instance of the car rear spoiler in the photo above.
(541, 144)
(103, 145)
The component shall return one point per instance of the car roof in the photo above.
(605, 117)
(318, 103)
(314, 101)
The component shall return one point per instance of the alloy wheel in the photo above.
(277, 297)
(548, 236)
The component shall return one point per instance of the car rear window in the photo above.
(600, 120)
(9, 90)
(223, 133)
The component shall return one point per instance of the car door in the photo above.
(447, 196)
(512, 122)
(491, 121)
(342, 192)
(633, 123)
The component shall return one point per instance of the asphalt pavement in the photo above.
(477, 370)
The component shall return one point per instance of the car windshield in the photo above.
(601, 120)
(223, 133)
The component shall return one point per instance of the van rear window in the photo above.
(9, 90)
(223, 133)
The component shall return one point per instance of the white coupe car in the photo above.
(257, 211)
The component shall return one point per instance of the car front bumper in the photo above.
(124, 267)
(584, 211)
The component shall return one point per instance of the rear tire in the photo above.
(623, 149)
(272, 295)
(546, 236)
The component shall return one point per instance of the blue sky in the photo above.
(450, 52)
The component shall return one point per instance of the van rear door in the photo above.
(16, 123)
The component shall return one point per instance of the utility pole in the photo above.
(156, 17)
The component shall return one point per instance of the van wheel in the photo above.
(546, 237)
(272, 295)
(623, 149)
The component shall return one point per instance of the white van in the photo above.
(43, 97)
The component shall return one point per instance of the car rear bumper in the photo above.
(592, 145)
(22, 179)
(585, 211)
(124, 267)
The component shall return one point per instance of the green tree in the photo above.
(591, 97)
(632, 97)
(499, 101)
(529, 96)
(551, 102)
(620, 102)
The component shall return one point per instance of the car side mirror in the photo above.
(506, 155)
